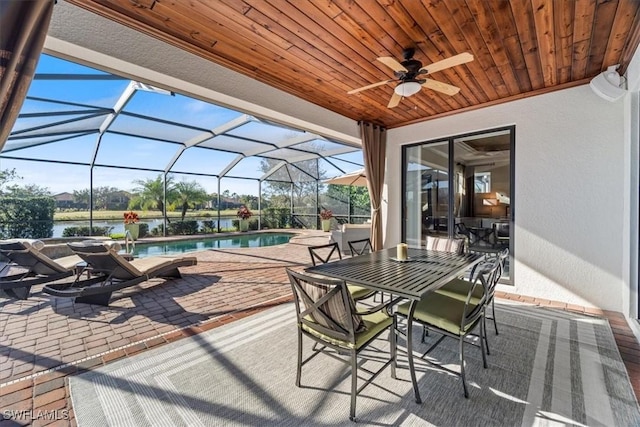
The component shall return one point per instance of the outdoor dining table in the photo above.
(423, 272)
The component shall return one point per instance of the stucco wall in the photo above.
(569, 191)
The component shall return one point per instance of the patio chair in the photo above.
(326, 314)
(28, 266)
(459, 288)
(113, 272)
(502, 235)
(445, 244)
(326, 253)
(360, 246)
(452, 317)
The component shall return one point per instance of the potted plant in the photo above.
(131, 224)
(325, 216)
(243, 215)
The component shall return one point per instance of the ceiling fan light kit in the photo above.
(406, 89)
(407, 74)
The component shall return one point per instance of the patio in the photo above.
(46, 341)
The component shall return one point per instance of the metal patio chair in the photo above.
(330, 252)
(452, 317)
(326, 314)
(360, 246)
(459, 288)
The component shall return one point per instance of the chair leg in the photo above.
(483, 338)
(299, 370)
(354, 385)
(425, 333)
(484, 324)
(18, 293)
(393, 343)
(493, 311)
(464, 381)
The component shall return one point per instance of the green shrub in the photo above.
(30, 218)
(84, 231)
(276, 218)
(209, 226)
(183, 227)
(144, 229)
(158, 230)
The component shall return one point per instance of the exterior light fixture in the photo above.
(608, 84)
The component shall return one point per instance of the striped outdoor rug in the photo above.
(547, 367)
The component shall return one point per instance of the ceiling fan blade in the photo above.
(441, 87)
(371, 86)
(394, 101)
(461, 58)
(392, 63)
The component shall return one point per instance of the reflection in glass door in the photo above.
(426, 191)
(479, 208)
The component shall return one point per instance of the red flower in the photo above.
(244, 213)
(326, 214)
(131, 217)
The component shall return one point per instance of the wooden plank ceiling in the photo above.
(319, 50)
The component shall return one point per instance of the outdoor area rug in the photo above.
(547, 367)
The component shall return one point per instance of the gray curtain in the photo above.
(374, 150)
(23, 27)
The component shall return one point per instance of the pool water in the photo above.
(142, 250)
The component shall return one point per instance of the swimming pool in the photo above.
(142, 250)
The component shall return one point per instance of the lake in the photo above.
(118, 225)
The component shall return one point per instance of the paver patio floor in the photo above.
(45, 339)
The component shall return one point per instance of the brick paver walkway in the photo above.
(44, 339)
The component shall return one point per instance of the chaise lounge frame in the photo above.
(28, 267)
(113, 272)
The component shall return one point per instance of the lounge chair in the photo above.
(28, 266)
(113, 272)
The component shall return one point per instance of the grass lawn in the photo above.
(118, 215)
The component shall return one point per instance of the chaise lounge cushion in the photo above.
(105, 258)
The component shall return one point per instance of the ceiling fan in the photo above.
(409, 74)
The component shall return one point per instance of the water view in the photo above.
(118, 225)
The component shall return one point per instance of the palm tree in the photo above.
(189, 193)
(150, 193)
(82, 197)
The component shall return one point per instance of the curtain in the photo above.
(459, 183)
(23, 27)
(374, 148)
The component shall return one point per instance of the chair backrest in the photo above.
(502, 259)
(483, 276)
(445, 244)
(26, 253)
(462, 229)
(501, 229)
(105, 259)
(360, 247)
(325, 305)
(324, 253)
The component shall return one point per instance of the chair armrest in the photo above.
(386, 305)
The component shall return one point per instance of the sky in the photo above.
(154, 150)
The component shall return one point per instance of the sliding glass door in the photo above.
(461, 187)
